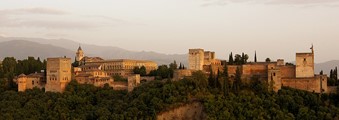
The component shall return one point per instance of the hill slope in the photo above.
(21, 49)
(326, 66)
(106, 52)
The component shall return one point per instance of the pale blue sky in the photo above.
(275, 28)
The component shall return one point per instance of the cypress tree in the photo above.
(237, 80)
(211, 80)
(230, 59)
(225, 84)
(243, 58)
(331, 74)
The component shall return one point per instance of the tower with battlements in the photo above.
(58, 74)
(79, 54)
(305, 64)
(196, 59)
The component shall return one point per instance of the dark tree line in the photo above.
(238, 59)
(11, 67)
(166, 71)
(333, 78)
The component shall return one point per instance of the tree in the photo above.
(226, 80)
(230, 59)
(237, 80)
(174, 65)
(268, 60)
(200, 79)
(142, 70)
(211, 79)
(238, 59)
(245, 58)
(9, 65)
(163, 71)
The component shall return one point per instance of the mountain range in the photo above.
(20, 48)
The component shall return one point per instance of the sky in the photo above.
(274, 28)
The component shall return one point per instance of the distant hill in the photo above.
(68, 48)
(21, 49)
(326, 66)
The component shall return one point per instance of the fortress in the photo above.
(98, 72)
(300, 76)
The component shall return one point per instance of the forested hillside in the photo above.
(145, 102)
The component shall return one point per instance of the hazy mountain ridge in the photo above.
(20, 48)
(326, 66)
(69, 46)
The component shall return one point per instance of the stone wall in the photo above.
(315, 84)
(147, 78)
(133, 81)
(119, 85)
(180, 74)
(287, 71)
(193, 111)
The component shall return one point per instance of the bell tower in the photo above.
(79, 54)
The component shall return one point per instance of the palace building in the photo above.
(122, 67)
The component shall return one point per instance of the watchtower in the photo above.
(58, 74)
(196, 59)
(305, 64)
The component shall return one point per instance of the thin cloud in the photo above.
(47, 24)
(48, 18)
(105, 18)
(276, 2)
(45, 11)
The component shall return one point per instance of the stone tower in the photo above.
(196, 59)
(274, 77)
(305, 64)
(79, 54)
(58, 74)
(22, 79)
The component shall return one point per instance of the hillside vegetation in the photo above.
(253, 101)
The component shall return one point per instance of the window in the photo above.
(304, 59)
(32, 82)
(273, 74)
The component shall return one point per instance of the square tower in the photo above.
(304, 65)
(196, 59)
(209, 57)
(58, 74)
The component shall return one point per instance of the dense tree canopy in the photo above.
(146, 101)
(221, 96)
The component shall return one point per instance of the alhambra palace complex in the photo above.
(98, 72)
